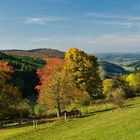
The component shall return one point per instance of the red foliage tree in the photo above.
(45, 73)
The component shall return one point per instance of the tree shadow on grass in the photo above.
(97, 112)
(131, 105)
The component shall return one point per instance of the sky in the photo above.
(91, 25)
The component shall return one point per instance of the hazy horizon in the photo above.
(94, 26)
(111, 53)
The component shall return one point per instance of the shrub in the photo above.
(25, 109)
(117, 97)
(37, 110)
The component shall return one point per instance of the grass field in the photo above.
(97, 124)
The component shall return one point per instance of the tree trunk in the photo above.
(58, 112)
(65, 116)
(58, 107)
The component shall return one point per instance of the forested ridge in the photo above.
(36, 53)
(24, 77)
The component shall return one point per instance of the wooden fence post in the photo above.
(33, 124)
(36, 124)
(65, 116)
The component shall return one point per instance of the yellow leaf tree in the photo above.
(85, 71)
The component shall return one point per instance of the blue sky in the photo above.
(91, 25)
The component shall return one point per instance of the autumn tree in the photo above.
(45, 73)
(62, 93)
(134, 81)
(57, 89)
(108, 85)
(85, 71)
(9, 95)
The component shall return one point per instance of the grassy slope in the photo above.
(103, 125)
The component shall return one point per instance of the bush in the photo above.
(110, 85)
(37, 110)
(117, 97)
(25, 109)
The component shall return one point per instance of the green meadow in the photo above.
(99, 122)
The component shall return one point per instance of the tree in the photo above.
(62, 93)
(45, 75)
(117, 97)
(47, 72)
(108, 86)
(9, 95)
(57, 90)
(134, 81)
(85, 71)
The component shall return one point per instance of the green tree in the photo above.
(37, 110)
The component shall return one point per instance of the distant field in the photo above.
(98, 124)
(130, 69)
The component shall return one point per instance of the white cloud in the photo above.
(42, 20)
(35, 20)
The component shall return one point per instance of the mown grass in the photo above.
(99, 123)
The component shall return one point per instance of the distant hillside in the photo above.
(21, 63)
(112, 69)
(121, 59)
(118, 56)
(134, 64)
(36, 53)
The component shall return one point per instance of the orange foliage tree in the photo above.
(5, 67)
(57, 90)
(5, 71)
(9, 95)
(46, 73)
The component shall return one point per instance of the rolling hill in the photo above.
(36, 53)
(118, 56)
(111, 69)
(134, 64)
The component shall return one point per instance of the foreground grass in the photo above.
(98, 125)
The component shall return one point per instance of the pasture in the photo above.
(98, 123)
